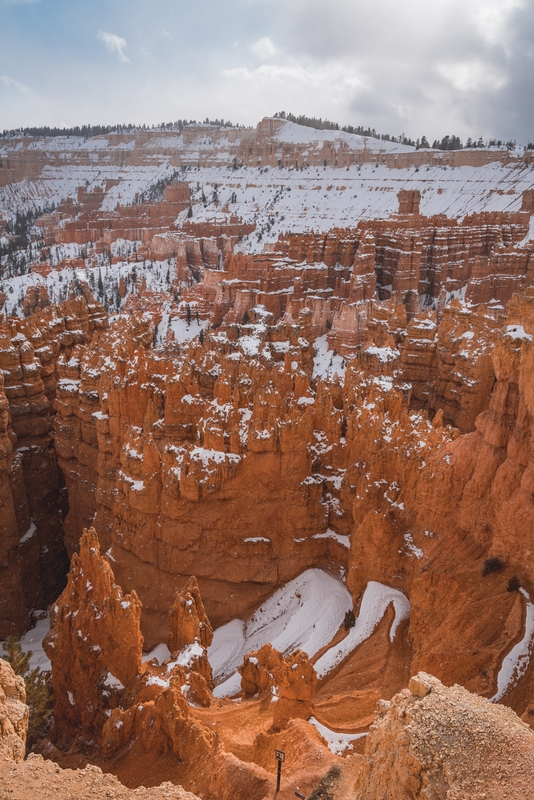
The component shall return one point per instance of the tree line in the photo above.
(89, 131)
(446, 143)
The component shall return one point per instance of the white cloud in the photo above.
(472, 75)
(115, 44)
(264, 49)
(10, 83)
(491, 18)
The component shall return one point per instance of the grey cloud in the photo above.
(433, 68)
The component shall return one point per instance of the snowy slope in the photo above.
(304, 614)
(301, 134)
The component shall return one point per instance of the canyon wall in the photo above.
(209, 146)
(34, 560)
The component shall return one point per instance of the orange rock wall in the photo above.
(33, 555)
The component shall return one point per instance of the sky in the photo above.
(418, 67)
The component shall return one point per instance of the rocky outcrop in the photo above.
(439, 742)
(188, 620)
(37, 777)
(13, 714)
(260, 670)
(409, 201)
(449, 364)
(191, 635)
(291, 680)
(95, 636)
(297, 682)
(105, 696)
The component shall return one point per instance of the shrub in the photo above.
(349, 620)
(325, 790)
(493, 564)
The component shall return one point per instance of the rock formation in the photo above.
(95, 636)
(13, 714)
(35, 502)
(105, 696)
(433, 741)
(296, 687)
(191, 635)
(188, 620)
(260, 671)
(37, 778)
(291, 681)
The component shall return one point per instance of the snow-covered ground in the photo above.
(376, 598)
(103, 282)
(515, 664)
(276, 199)
(337, 742)
(301, 134)
(304, 614)
(326, 362)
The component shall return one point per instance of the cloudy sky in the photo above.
(431, 67)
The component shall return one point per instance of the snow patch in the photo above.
(517, 332)
(112, 682)
(160, 652)
(515, 664)
(326, 362)
(29, 533)
(337, 742)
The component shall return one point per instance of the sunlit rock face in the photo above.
(13, 714)
(426, 742)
